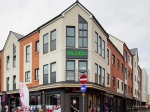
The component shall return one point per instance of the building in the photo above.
(51, 59)
(144, 87)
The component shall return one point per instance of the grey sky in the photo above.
(128, 20)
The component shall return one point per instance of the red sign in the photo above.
(83, 79)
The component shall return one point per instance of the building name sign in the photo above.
(76, 53)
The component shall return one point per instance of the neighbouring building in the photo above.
(144, 87)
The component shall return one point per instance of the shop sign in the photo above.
(76, 53)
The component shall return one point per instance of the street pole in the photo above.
(83, 100)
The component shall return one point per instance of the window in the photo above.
(118, 64)
(128, 59)
(70, 70)
(96, 42)
(8, 62)
(96, 73)
(122, 85)
(108, 56)
(125, 89)
(14, 82)
(7, 83)
(82, 67)
(70, 36)
(53, 40)
(131, 61)
(135, 91)
(53, 72)
(28, 53)
(103, 77)
(129, 89)
(45, 74)
(118, 83)
(125, 55)
(27, 76)
(125, 72)
(135, 77)
(37, 74)
(113, 59)
(37, 46)
(122, 67)
(100, 45)
(14, 55)
(103, 49)
(113, 81)
(83, 33)
(35, 100)
(107, 78)
(100, 75)
(129, 74)
(45, 43)
(53, 99)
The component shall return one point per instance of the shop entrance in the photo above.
(74, 107)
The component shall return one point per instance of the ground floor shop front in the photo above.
(72, 100)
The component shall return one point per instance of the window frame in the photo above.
(46, 81)
(70, 36)
(36, 74)
(46, 44)
(73, 70)
(54, 40)
(27, 76)
(27, 53)
(96, 42)
(51, 72)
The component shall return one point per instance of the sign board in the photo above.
(83, 79)
(83, 88)
(76, 53)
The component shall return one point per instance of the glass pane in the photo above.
(28, 49)
(82, 65)
(70, 65)
(45, 39)
(80, 42)
(84, 33)
(53, 45)
(53, 34)
(85, 43)
(37, 46)
(45, 48)
(53, 77)
(70, 41)
(45, 79)
(53, 66)
(70, 32)
(45, 69)
(85, 26)
(80, 33)
(70, 75)
(96, 67)
(80, 26)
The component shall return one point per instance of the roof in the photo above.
(76, 3)
(17, 35)
(133, 51)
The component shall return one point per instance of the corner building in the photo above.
(69, 48)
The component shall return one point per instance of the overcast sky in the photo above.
(128, 20)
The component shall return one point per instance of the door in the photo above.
(74, 107)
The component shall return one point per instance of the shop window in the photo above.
(70, 70)
(35, 101)
(53, 102)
